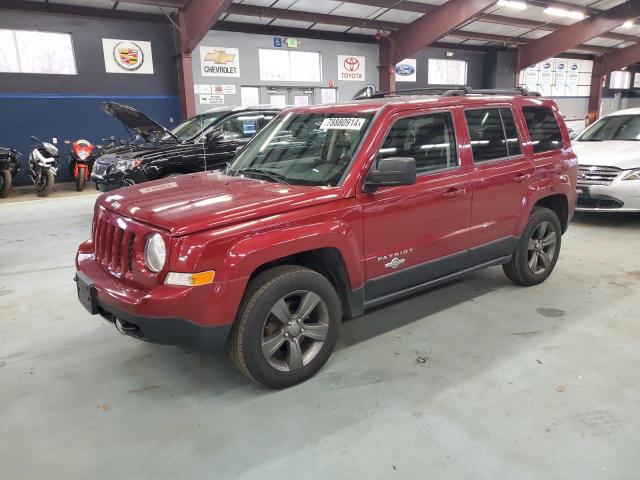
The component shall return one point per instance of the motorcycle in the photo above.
(43, 166)
(9, 168)
(81, 158)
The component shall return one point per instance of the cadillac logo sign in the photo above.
(128, 55)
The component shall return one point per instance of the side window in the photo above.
(243, 126)
(511, 132)
(543, 129)
(428, 138)
(487, 135)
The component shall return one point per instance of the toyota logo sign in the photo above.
(351, 64)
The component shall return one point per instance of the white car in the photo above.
(609, 163)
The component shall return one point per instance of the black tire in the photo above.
(6, 180)
(255, 315)
(519, 269)
(46, 183)
(80, 179)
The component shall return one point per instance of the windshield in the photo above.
(304, 148)
(194, 126)
(616, 127)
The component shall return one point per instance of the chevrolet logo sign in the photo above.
(219, 57)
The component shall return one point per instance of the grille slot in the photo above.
(113, 246)
(592, 175)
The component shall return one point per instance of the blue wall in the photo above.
(71, 117)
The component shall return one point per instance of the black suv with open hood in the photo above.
(203, 142)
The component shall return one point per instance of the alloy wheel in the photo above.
(295, 330)
(542, 248)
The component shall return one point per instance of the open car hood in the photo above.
(135, 120)
(193, 203)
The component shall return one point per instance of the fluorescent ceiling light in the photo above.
(627, 24)
(512, 4)
(561, 12)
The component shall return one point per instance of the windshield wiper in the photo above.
(276, 177)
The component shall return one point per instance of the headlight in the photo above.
(124, 165)
(632, 175)
(83, 154)
(155, 253)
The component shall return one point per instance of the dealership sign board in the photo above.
(219, 62)
(127, 56)
(351, 68)
(406, 70)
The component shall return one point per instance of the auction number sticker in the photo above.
(342, 124)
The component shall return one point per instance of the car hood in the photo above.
(611, 153)
(135, 120)
(193, 203)
(144, 150)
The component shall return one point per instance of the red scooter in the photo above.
(81, 158)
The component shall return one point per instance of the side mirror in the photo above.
(573, 134)
(391, 172)
(215, 136)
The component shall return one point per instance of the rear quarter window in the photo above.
(543, 129)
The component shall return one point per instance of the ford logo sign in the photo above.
(405, 69)
(546, 65)
(574, 67)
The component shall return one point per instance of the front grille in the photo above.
(113, 246)
(590, 175)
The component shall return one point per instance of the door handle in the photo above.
(454, 192)
(521, 177)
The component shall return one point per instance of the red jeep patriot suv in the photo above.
(328, 211)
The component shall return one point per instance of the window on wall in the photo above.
(447, 72)
(289, 65)
(26, 51)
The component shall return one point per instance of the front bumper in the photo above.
(618, 196)
(162, 330)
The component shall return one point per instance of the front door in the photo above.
(416, 233)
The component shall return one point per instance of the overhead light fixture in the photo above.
(561, 12)
(515, 4)
(627, 24)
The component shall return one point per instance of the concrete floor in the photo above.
(476, 380)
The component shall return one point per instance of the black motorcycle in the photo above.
(9, 168)
(43, 166)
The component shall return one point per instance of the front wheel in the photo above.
(80, 179)
(44, 183)
(538, 250)
(6, 180)
(287, 326)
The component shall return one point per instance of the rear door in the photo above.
(415, 233)
(501, 176)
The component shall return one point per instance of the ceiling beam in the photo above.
(196, 19)
(158, 3)
(410, 6)
(572, 35)
(80, 11)
(285, 14)
(619, 58)
(353, 22)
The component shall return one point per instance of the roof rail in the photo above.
(369, 92)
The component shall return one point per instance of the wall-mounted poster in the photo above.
(636, 80)
(406, 70)
(212, 99)
(559, 77)
(219, 62)
(127, 56)
(351, 68)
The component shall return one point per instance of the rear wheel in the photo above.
(6, 180)
(287, 326)
(44, 184)
(538, 250)
(80, 178)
